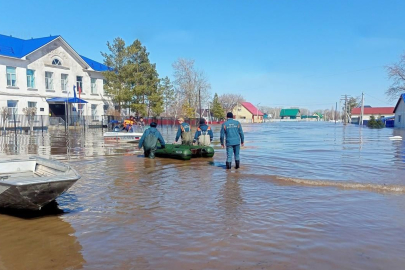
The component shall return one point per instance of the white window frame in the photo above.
(31, 80)
(56, 62)
(79, 83)
(94, 115)
(48, 81)
(32, 103)
(104, 83)
(9, 76)
(64, 81)
(12, 110)
(80, 109)
(93, 86)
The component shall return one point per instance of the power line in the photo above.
(375, 98)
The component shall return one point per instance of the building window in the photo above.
(12, 106)
(11, 76)
(56, 62)
(93, 86)
(80, 108)
(104, 85)
(63, 81)
(93, 111)
(48, 80)
(79, 84)
(30, 78)
(105, 108)
(399, 118)
(32, 104)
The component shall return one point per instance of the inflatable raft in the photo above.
(184, 152)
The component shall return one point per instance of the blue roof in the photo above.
(18, 48)
(15, 47)
(95, 65)
(64, 99)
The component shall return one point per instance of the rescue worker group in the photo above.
(231, 137)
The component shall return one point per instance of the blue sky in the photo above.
(277, 52)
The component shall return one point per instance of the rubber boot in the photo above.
(237, 164)
(228, 165)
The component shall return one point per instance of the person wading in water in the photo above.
(184, 131)
(233, 132)
(204, 134)
(149, 141)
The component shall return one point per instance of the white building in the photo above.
(36, 70)
(400, 112)
(377, 112)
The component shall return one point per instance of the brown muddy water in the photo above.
(308, 195)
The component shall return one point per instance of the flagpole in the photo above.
(67, 111)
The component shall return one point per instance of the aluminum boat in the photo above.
(33, 182)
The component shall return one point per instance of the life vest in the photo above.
(128, 122)
(204, 139)
(186, 135)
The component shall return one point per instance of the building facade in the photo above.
(377, 112)
(248, 113)
(290, 113)
(400, 112)
(44, 73)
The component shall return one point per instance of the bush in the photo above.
(373, 123)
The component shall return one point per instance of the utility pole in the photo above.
(345, 109)
(344, 97)
(336, 113)
(362, 109)
(199, 98)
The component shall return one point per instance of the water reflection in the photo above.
(232, 198)
(308, 196)
(38, 240)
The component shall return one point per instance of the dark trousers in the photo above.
(230, 150)
(150, 153)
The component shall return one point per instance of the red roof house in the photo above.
(247, 112)
(369, 111)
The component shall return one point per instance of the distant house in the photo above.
(369, 111)
(248, 113)
(399, 112)
(313, 117)
(290, 113)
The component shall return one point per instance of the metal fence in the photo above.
(21, 123)
(24, 124)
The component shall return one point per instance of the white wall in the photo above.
(400, 111)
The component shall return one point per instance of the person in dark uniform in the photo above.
(204, 134)
(149, 140)
(232, 135)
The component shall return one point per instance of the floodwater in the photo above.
(308, 195)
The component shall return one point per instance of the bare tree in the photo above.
(5, 114)
(191, 84)
(30, 112)
(229, 101)
(396, 72)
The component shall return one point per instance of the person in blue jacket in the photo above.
(184, 131)
(233, 132)
(149, 140)
(202, 134)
